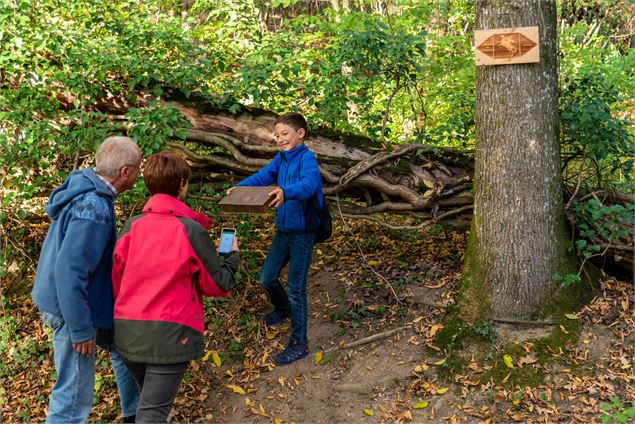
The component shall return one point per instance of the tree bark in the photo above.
(518, 236)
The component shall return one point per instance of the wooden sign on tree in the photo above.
(247, 199)
(506, 46)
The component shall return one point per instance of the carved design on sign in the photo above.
(504, 46)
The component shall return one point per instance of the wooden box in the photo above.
(245, 199)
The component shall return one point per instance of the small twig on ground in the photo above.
(369, 339)
(523, 321)
(432, 304)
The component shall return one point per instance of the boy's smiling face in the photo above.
(287, 137)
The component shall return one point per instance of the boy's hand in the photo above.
(278, 198)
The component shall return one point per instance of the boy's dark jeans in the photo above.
(296, 250)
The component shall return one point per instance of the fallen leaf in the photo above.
(420, 405)
(375, 262)
(442, 391)
(318, 357)
(235, 389)
(506, 378)
(526, 360)
(509, 362)
(473, 366)
(416, 320)
(216, 358)
(434, 329)
(572, 316)
(428, 183)
(369, 412)
(421, 368)
(441, 362)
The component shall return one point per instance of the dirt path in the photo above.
(339, 391)
(395, 379)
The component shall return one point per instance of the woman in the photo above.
(164, 263)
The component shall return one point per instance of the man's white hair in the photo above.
(115, 152)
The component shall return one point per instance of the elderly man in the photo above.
(73, 288)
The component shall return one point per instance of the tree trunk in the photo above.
(518, 239)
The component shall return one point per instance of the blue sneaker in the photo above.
(274, 317)
(292, 353)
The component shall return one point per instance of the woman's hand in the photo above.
(278, 198)
(235, 247)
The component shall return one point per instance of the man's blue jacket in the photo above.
(296, 171)
(73, 278)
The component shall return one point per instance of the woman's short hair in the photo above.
(114, 153)
(164, 171)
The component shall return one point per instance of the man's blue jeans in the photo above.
(296, 250)
(72, 395)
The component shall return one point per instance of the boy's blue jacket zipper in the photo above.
(296, 171)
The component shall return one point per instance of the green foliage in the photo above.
(597, 91)
(63, 60)
(597, 221)
(153, 125)
(360, 71)
(617, 411)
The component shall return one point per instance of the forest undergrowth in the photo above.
(374, 327)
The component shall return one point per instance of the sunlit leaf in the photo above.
(216, 359)
(369, 412)
(420, 405)
(509, 362)
(236, 389)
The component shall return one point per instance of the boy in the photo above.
(298, 199)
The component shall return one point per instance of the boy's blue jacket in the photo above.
(73, 278)
(296, 171)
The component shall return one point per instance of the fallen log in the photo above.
(412, 178)
(430, 184)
